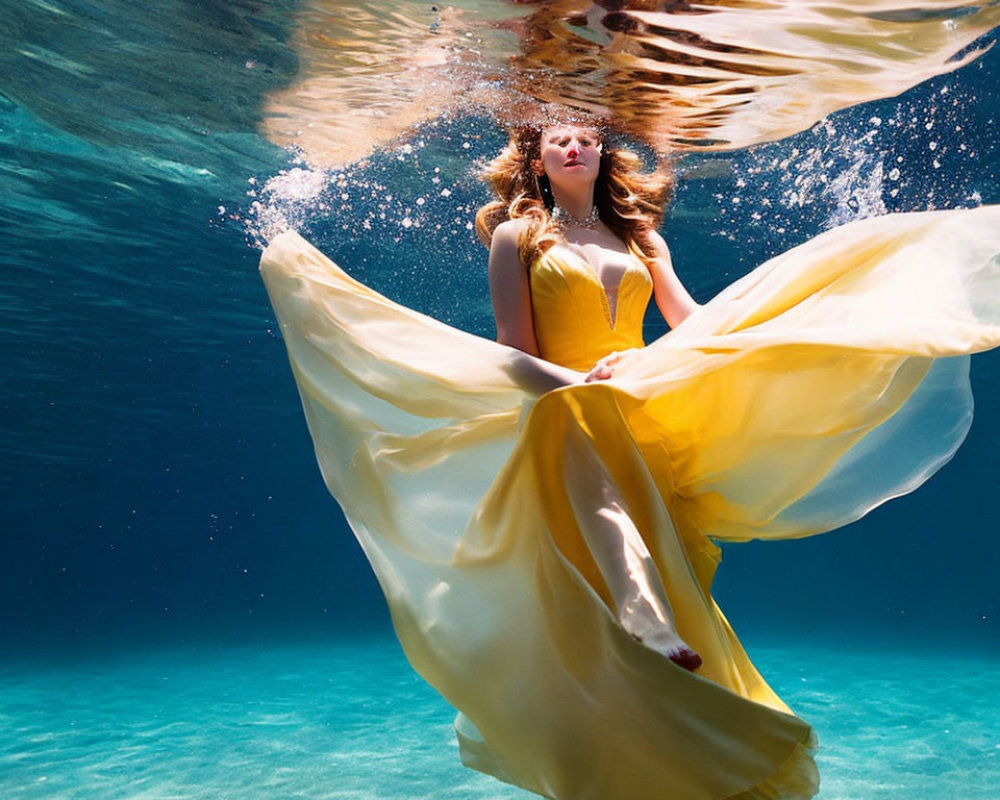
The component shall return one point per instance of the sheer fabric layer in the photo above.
(820, 385)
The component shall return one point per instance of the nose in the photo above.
(574, 148)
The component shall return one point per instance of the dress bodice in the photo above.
(577, 320)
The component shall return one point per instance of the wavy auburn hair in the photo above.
(630, 202)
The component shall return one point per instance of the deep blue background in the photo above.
(157, 477)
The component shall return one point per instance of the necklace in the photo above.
(564, 219)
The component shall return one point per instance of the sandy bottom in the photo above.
(351, 720)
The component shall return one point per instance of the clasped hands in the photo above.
(605, 367)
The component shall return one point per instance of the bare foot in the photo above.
(673, 647)
(686, 658)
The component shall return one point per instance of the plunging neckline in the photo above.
(610, 311)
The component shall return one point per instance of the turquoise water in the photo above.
(165, 532)
(349, 719)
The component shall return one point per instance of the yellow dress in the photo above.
(820, 385)
(576, 319)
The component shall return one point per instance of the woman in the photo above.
(543, 541)
(567, 204)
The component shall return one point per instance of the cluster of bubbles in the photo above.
(300, 196)
(401, 221)
(898, 155)
(389, 194)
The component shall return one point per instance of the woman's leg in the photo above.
(623, 559)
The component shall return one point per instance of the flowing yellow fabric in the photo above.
(823, 383)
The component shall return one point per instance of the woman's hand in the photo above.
(605, 368)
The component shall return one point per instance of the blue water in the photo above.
(183, 612)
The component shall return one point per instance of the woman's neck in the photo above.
(577, 204)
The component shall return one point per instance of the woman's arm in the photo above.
(511, 293)
(671, 297)
(510, 290)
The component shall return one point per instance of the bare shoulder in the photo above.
(504, 252)
(508, 233)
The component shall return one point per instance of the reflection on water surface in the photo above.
(722, 74)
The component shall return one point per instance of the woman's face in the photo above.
(569, 153)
